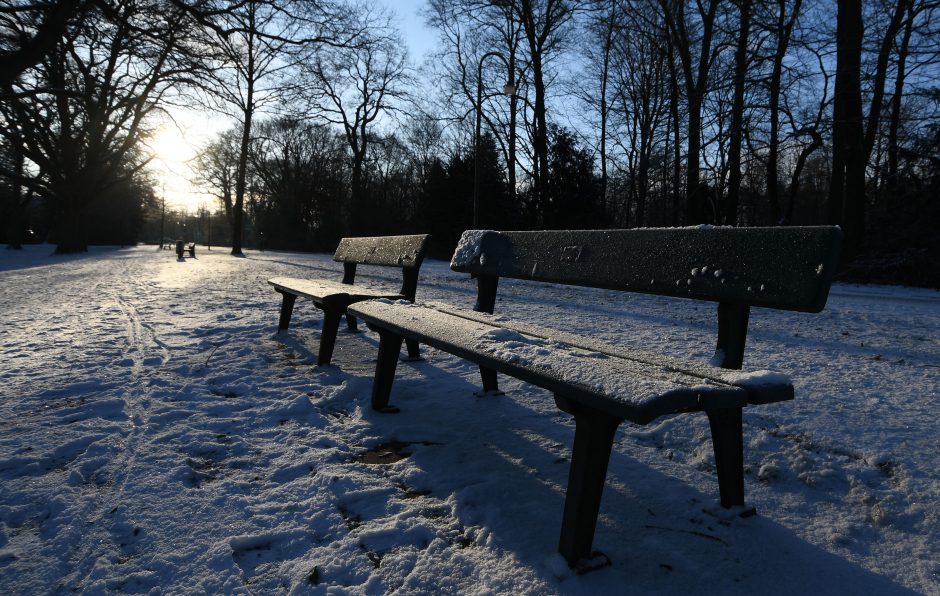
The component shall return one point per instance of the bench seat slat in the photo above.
(626, 388)
(317, 290)
(757, 393)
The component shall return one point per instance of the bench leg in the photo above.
(728, 441)
(328, 335)
(389, 348)
(287, 308)
(351, 323)
(593, 440)
(490, 384)
(414, 351)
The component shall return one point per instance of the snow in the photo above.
(158, 435)
(760, 378)
(469, 249)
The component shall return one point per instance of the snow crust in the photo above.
(158, 436)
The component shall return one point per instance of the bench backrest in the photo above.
(787, 268)
(406, 252)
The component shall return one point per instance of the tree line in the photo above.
(622, 113)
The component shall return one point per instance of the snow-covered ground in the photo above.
(157, 435)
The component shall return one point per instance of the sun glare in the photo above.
(173, 148)
(170, 146)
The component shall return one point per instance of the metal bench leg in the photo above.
(414, 351)
(389, 348)
(351, 323)
(328, 335)
(287, 308)
(593, 440)
(490, 384)
(728, 441)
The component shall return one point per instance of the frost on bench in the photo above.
(334, 297)
(637, 390)
(737, 268)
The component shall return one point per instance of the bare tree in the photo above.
(544, 25)
(259, 44)
(641, 77)
(30, 31)
(78, 115)
(917, 51)
(695, 52)
(216, 168)
(604, 30)
(355, 86)
(474, 34)
(782, 29)
(741, 60)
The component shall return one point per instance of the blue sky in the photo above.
(419, 38)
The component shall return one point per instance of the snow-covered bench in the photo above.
(406, 252)
(602, 385)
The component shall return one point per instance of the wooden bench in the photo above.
(406, 252)
(601, 385)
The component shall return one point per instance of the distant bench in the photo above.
(190, 248)
(405, 252)
(599, 384)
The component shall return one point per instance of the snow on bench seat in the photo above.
(635, 386)
(320, 289)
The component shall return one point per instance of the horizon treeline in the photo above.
(619, 113)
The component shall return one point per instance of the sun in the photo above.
(171, 156)
(173, 147)
(169, 145)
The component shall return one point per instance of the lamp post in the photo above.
(163, 219)
(509, 89)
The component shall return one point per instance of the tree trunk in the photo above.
(540, 138)
(847, 190)
(798, 171)
(608, 45)
(695, 192)
(881, 70)
(238, 209)
(513, 104)
(784, 32)
(247, 116)
(16, 223)
(895, 121)
(358, 223)
(676, 151)
(71, 235)
(737, 116)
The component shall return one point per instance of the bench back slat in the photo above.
(391, 251)
(788, 268)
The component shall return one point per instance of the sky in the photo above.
(178, 139)
(417, 35)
